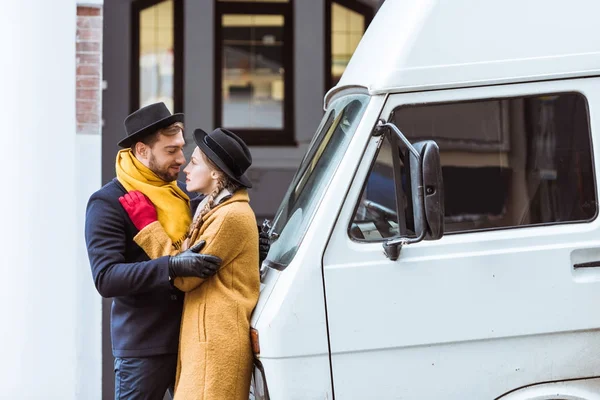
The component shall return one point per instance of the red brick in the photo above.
(89, 35)
(88, 47)
(88, 118)
(89, 70)
(87, 106)
(87, 59)
(88, 82)
(91, 11)
(89, 22)
(87, 94)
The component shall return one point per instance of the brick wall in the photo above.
(89, 70)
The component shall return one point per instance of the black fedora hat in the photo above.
(227, 151)
(146, 121)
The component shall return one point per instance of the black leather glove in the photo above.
(264, 244)
(190, 263)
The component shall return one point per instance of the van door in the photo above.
(510, 296)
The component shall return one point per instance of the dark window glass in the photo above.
(505, 163)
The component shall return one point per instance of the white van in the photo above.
(384, 283)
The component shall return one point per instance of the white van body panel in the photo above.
(469, 316)
(290, 316)
(432, 44)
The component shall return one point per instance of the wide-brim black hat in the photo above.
(147, 120)
(227, 151)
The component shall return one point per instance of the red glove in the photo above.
(140, 209)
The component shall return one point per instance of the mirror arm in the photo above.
(394, 128)
(392, 247)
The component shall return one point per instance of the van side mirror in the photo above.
(427, 198)
(433, 187)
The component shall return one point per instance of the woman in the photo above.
(215, 356)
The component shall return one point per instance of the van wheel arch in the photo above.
(577, 389)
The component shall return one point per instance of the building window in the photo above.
(506, 163)
(347, 21)
(254, 64)
(157, 71)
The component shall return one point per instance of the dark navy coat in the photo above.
(146, 309)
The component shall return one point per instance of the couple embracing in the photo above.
(180, 261)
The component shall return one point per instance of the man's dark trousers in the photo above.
(144, 378)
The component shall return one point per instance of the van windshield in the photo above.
(314, 174)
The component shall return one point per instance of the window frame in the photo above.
(367, 12)
(259, 136)
(392, 106)
(137, 7)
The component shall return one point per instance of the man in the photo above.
(146, 309)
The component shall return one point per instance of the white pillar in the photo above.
(38, 301)
(88, 171)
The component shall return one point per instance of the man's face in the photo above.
(165, 157)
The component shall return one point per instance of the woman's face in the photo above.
(199, 175)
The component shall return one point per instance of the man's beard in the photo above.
(162, 172)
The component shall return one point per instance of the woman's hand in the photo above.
(140, 209)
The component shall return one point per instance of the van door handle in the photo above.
(590, 264)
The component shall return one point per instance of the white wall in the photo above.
(88, 166)
(40, 297)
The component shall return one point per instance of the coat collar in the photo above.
(221, 197)
(240, 195)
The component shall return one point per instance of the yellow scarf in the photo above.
(172, 204)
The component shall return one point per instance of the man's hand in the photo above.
(190, 263)
(140, 209)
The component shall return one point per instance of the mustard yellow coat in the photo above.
(215, 356)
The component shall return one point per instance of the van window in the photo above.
(506, 163)
(316, 170)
